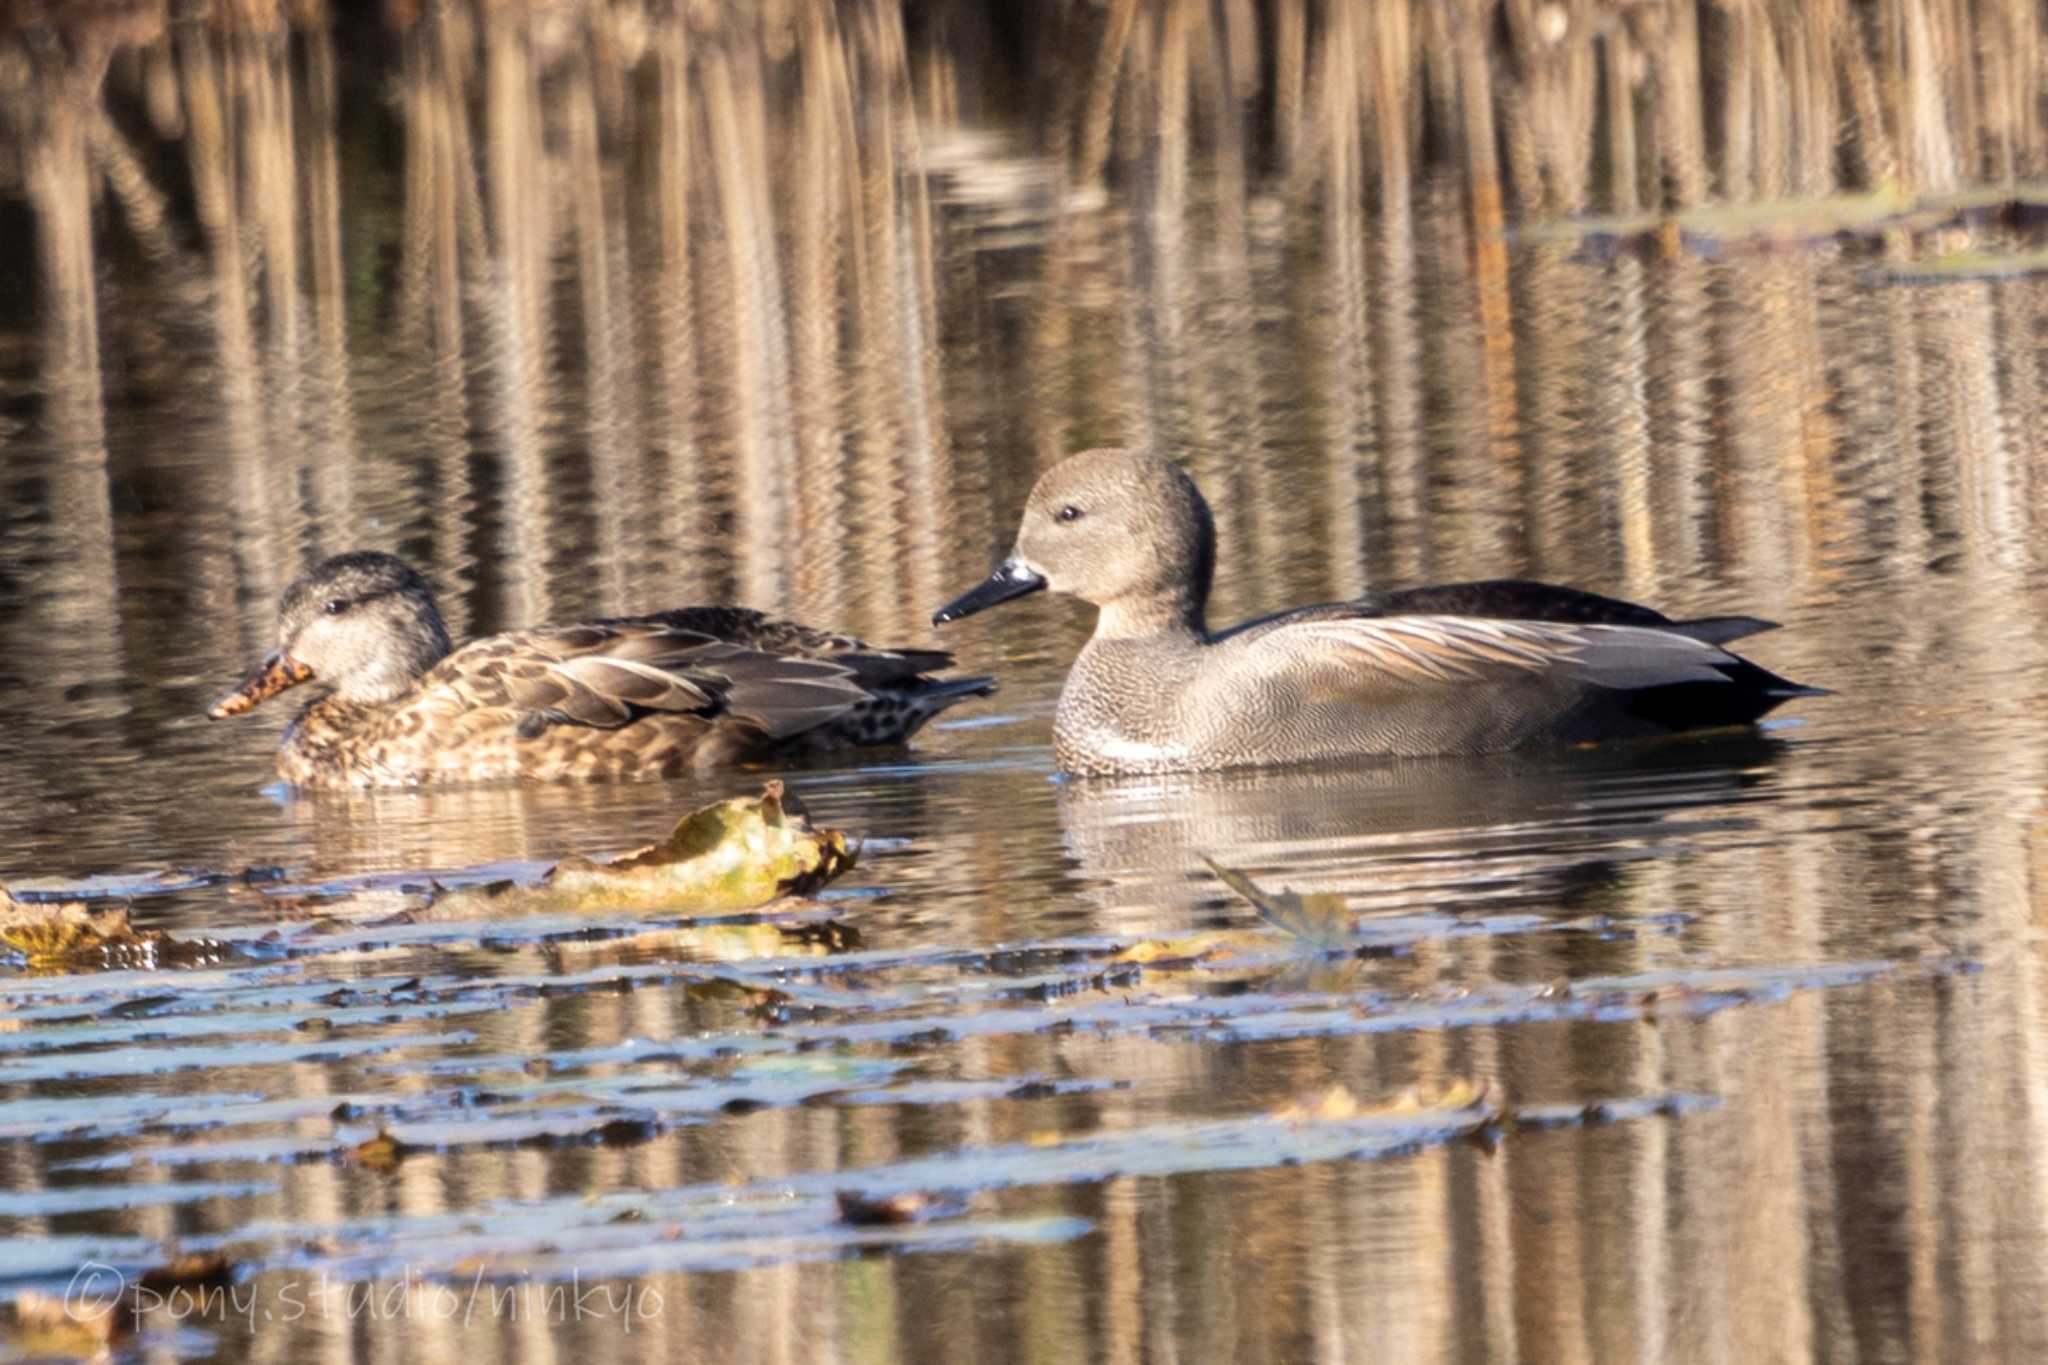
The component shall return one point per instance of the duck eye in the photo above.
(1070, 513)
(335, 606)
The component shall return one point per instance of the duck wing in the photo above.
(1521, 599)
(874, 667)
(1395, 654)
(1461, 683)
(606, 674)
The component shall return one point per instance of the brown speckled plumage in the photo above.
(634, 697)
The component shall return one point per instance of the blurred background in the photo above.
(596, 306)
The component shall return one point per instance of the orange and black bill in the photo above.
(270, 677)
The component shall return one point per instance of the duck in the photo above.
(660, 695)
(1450, 669)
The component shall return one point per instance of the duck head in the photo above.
(364, 624)
(1126, 531)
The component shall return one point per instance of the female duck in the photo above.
(1459, 669)
(642, 696)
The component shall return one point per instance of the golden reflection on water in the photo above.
(603, 308)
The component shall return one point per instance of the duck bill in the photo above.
(1012, 578)
(269, 678)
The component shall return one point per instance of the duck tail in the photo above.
(1720, 630)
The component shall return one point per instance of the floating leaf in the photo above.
(908, 1206)
(1320, 920)
(72, 936)
(1968, 265)
(1771, 223)
(1764, 220)
(1194, 948)
(47, 932)
(381, 1153)
(735, 855)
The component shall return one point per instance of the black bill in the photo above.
(1010, 579)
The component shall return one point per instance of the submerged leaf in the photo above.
(190, 1269)
(1320, 920)
(1338, 1104)
(735, 855)
(43, 1326)
(776, 934)
(1335, 1103)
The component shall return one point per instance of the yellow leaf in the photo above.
(735, 855)
(381, 1153)
(1320, 920)
(1190, 949)
(72, 936)
(1338, 1103)
(1335, 1103)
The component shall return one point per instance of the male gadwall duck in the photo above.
(1464, 668)
(640, 696)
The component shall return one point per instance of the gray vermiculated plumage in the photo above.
(1453, 669)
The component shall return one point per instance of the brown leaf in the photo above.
(381, 1153)
(861, 1211)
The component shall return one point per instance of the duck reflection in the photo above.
(423, 831)
(1501, 834)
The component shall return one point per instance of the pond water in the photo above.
(603, 309)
